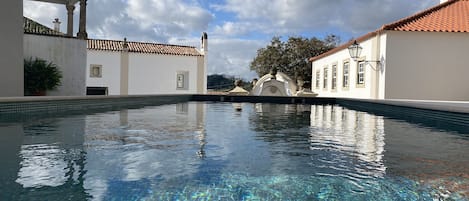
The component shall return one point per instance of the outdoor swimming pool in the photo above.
(232, 151)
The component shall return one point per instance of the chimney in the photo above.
(204, 42)
(56, 24)
(125, 46)
(443, 1)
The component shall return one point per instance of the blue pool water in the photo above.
(232, 151)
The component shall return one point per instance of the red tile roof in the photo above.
(141, 47)
(451, 16)
(32, 27)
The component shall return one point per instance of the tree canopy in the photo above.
(291, 57)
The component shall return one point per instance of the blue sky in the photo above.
(236, 28)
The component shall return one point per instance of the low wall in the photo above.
(48, 105)
(70, 56)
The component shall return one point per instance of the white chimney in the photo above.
(204, 42)
(443, 1)
(56, 24)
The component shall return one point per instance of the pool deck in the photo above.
(61, 103)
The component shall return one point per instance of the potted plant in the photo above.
(40, 76)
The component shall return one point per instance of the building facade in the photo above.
(419, 57)
(137, 68)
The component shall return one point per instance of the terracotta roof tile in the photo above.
(32, 27)
(141, 47)
(451, 16)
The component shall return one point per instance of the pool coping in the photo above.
(444, 106)
(63, 104)
(13, 105)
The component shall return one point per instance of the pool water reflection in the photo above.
(231, 151)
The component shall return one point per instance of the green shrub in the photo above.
(40, 76)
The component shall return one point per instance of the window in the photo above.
(334, 77)
(318, 78)
(325, 78)
(361, 73)
(96, 70)
(182, 79)
(345, 72)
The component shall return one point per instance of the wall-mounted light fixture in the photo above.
(355, 51)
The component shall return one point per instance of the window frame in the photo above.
(361, 73)
(325, 78)
(318, 79)
(346, 74)
(182, 80)
(334, 77)
(100, 70)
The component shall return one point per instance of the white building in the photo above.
(419, 57)
(136, 68)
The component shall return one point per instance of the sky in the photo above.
(236, 28)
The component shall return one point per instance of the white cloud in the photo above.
(168, 16)
(44, 13)
(233, 56)
(232, 29)
(227, 56)
(290, 17)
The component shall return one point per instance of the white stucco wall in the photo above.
(110, 62)
(156, 74)
(429, 66)
(11, 55)
(147, 74)
(68, 53)
(369, 89)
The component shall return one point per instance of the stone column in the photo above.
(70, 9)
(82, 28)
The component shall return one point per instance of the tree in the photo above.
(291, 57)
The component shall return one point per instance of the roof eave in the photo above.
(346, 45)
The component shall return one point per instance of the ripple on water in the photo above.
(244, 187)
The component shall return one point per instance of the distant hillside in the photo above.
(217, 82)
